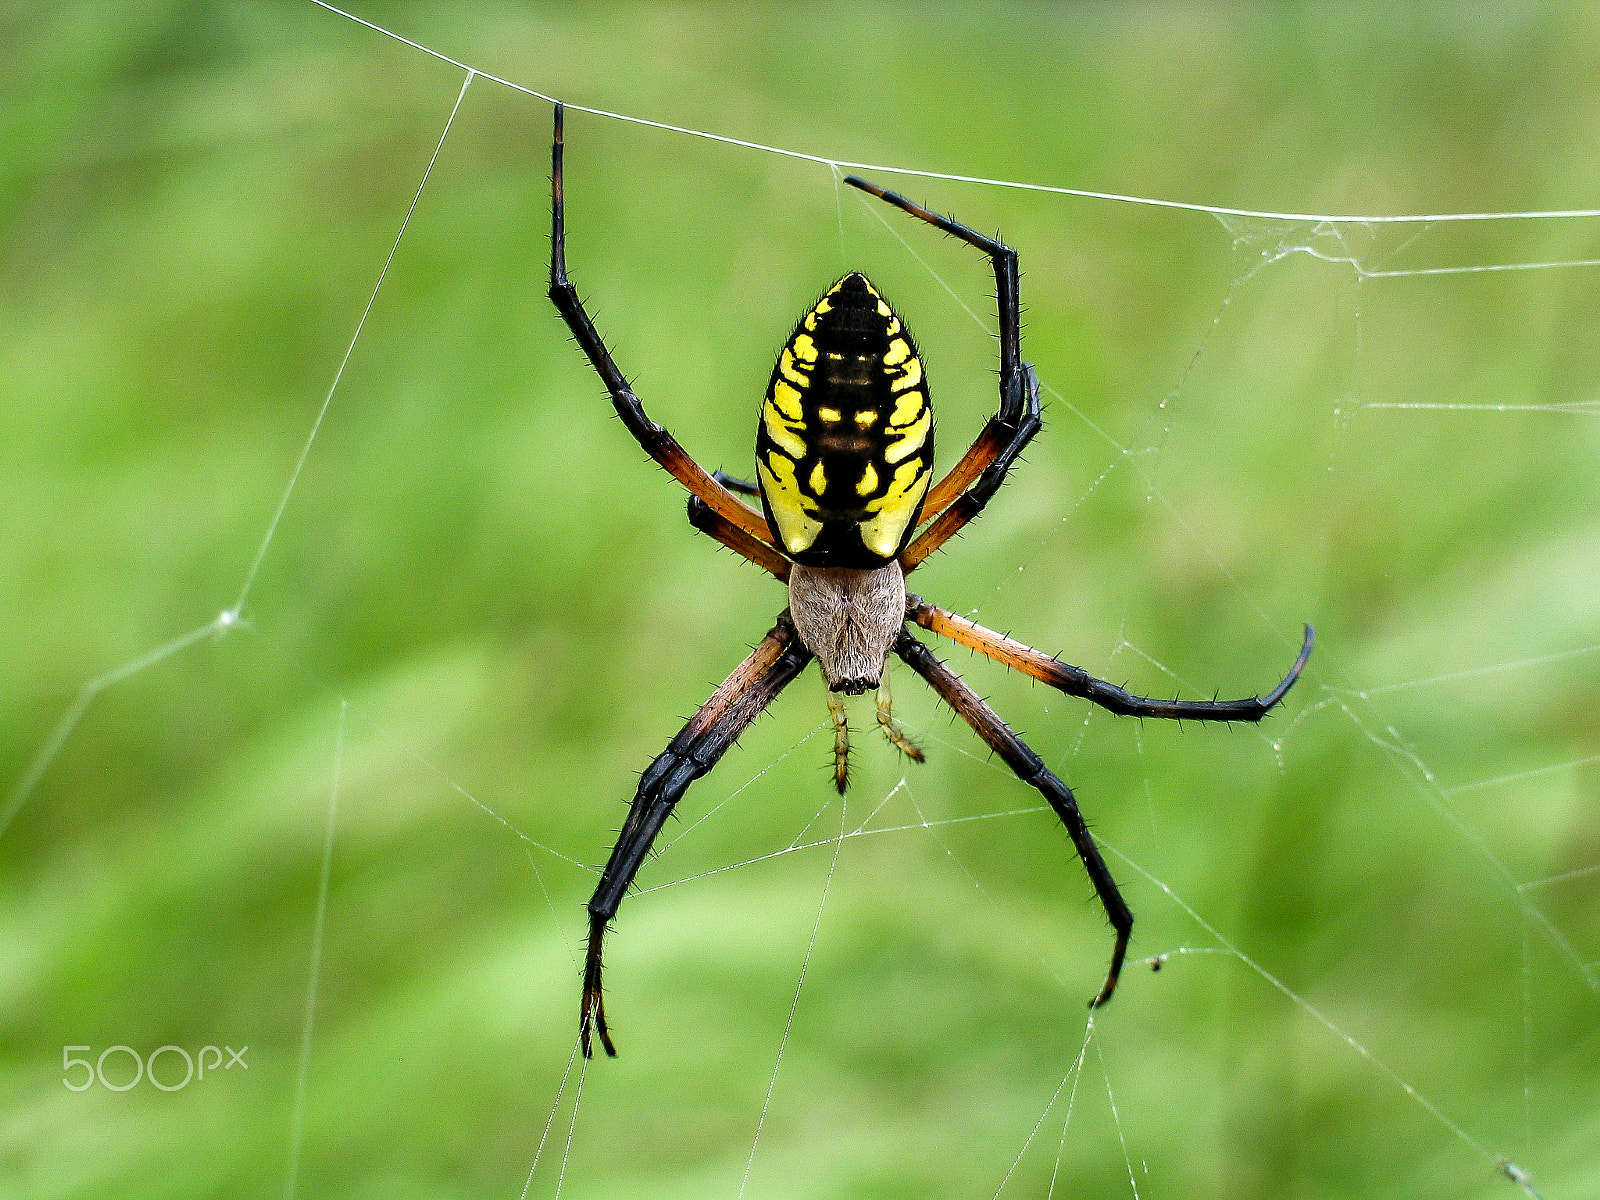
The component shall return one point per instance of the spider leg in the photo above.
(1075, 681)
(656, 441)
(989, 457)
(730, 535)
(1032, 771)
(742, 697)
(971, 502)
(743, 486)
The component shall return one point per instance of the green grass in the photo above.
(486, 611)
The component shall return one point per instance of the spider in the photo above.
(844, 460)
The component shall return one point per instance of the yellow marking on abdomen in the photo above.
(787, 368)
(869, 481)
(882, 533)
(782, 432)
(906, 475)
(805, 348)
(911, 441)
(818, 480)
(796, 528)
(911, 376)
(787, 401)
(866, 417)
(899, 350)
(907, 409)
(831, 415)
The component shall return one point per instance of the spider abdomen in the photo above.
(845, 446)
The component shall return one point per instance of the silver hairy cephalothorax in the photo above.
(849, 619)
(844, 458)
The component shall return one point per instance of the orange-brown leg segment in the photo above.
(1032, 771)
(736, 539)
(1075, 681)
(741, 698)
(972, 501)
(657, 442)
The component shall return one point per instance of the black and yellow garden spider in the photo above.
(844, 459)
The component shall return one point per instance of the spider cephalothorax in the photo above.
(849, 619)
(844, 460)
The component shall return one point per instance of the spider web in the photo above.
(882, 996)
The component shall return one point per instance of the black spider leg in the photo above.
(982, 469)
(973, 501)
(656, 441)
(743, 486)
(776, 660)
(1075, 681)
(1032, 771)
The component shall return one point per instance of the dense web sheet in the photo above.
(1101, 1095)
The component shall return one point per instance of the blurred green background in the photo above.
(483, 612)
